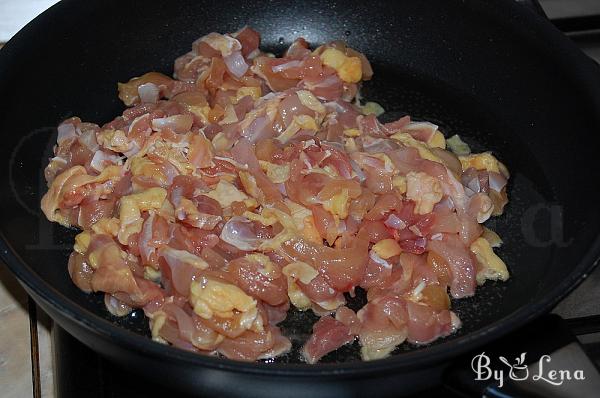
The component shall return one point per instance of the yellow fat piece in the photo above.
(423, 149)
(387, 248)
(349, 69)
(493, 268)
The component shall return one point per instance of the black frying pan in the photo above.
(495, 72)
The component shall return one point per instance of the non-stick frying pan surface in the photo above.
(496, 74)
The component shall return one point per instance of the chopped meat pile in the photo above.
(249, 183)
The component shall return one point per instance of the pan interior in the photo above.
(425, 65)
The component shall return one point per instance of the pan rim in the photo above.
(415, 359)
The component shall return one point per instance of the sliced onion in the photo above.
(149, 93)
(287, 65)
(497, 181)
(239, 232)
(66, 131)
(236, 64)
(116, 306)
(393, 221)
(177, 123)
